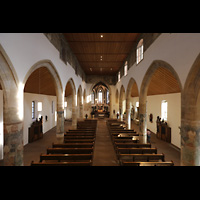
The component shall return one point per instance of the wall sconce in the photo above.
(65, 104)
(39, 106)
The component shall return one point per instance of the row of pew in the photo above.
(131, 149)
(77, 149)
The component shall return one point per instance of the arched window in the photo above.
(100, 96)
(139, 53)
(119, 76)
(164, 105)
(126, 68)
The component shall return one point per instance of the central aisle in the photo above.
(104, 154)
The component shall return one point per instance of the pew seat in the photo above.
(124, 163)
(68, 157)
(84, 163)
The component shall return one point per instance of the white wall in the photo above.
(174, 113)
(46, 110)
(68, 109)
(26, 49)
(177, 49)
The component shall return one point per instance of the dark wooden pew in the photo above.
(141, 157)
(130, 145)
(73, 145)
(68, 157)
(79, 136)
(69, 150)
(136, 150)
(78, 140)
(124, 163)
(84, 163)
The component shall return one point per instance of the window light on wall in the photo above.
(126, 68)
(164, 106)
(140, 51)
(39, 106)
(119, 76)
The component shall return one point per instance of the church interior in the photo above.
(99, 99)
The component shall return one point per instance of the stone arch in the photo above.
(128, 99)
(190, 117)
(144, 88)
(59, 93)
(12, 117)
(79, 102)
(110, 93)
(74, 102)
(121, 99)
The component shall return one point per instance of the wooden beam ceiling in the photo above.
(40, 82)
(101, 53)
(163, 82)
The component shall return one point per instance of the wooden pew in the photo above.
(84, 163)
(120, 140)
(124, 163)
(78, 140)
(79, 136)
(73, 145)
(141, 157)
(130, 145)
(68, 157)
(136, 150)
(69, 150)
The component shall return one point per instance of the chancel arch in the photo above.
(100, 100)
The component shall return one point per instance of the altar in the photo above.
(100, 111)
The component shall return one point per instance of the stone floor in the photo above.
(104, 154)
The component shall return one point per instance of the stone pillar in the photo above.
(60, 125)
(74, 117)
(190, 146)
(81, 110)
(128, 117)
(142, 119)
(13, 130)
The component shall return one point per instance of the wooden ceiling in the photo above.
(99, 55)
(40, 82)
(134, 90)
(163, 82)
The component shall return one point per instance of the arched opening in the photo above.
(39, 91)
(43, 88)
(11, 131)
(80, 103)
(122, 103)
(100, 100)
(71, 99)
(190, 117)
(159, 81)
(131, 99)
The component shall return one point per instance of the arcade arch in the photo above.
(152, 83)
(70, 92)
(44, 75)
(132, 90)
